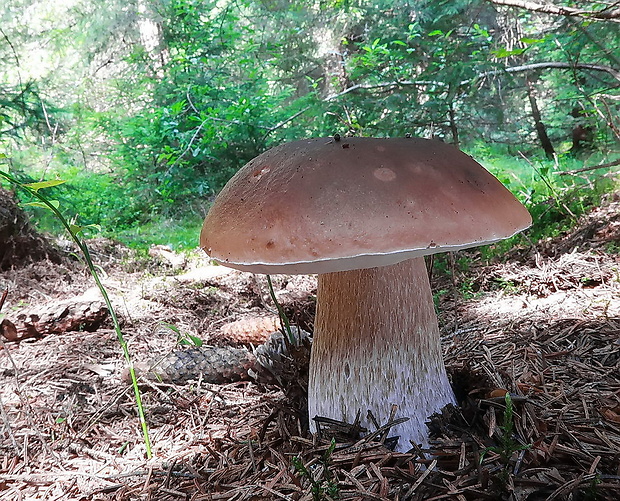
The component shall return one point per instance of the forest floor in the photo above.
(543, 324)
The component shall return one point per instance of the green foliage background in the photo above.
(148, 107)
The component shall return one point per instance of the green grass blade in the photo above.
(49, 204)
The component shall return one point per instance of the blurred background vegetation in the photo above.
(147, 107)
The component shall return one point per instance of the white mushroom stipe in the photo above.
(362, 217)
(376, 343)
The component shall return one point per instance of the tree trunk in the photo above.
(541, 130)
(453, 127)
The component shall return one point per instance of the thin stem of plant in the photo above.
(119, 334)
(551, 188)
(285, 323)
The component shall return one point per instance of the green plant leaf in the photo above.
(173, 328)
(44, 184)
(500, 53)
(195, 340)
(77, 228)
(532, 40)
(54, 203)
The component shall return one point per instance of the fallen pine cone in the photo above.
(215, 364)
(249, 330)
(277, 361)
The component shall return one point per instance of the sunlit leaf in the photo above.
(500, 53)
(532, 40)
(44, 184)
(195, 340)
(53, 203)
(77, 228)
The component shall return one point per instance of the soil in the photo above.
(542, 326)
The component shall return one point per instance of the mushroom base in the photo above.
(376, 344)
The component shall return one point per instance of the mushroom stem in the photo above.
(376, 343)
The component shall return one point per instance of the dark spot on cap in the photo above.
(271, 244)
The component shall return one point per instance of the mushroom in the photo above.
(362, 213)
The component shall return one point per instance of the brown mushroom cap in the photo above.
(321, 205)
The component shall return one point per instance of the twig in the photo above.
(604, 14)
(421, 479)
(546, 65)
(53, 133)
(590, 168)
(388, 86)
(551, 189)
(17, 66)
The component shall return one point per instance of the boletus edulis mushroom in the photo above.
(362, 213)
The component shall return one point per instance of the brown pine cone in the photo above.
(248, 330)
(214, 364)
(283, 361)
(278, 361)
